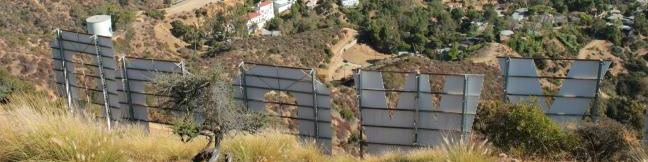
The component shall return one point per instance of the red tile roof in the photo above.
(252, 15)
(264, 3)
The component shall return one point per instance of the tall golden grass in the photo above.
(272, 145)
(462, 150)
(33, 127)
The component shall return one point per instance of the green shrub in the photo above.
(121, 16)
(179, 29)
(523, 129)
(346, 113)
(156, 14)
(605, 141)
(189, 34)
(10, 84)
(186, 128)
(627, 112)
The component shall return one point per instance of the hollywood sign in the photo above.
(421, 116)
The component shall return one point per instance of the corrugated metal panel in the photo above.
(77, 44)
(574, 99)
(258, 80)
(394, 129)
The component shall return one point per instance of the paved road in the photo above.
(188, 5)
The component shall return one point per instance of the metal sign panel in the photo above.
(575, 97)
(418, 120)
(74, 76)
(138, 92)
(313, 97)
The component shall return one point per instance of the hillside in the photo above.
(27, 27)
(307, 49)
(492, 77)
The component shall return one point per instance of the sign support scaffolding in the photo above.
(103, 81)
(65, 70)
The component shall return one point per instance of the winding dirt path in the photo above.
(600, 49)
(488, 55)
(337, 68)
(363, 55)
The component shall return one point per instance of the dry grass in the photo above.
(272, 145)
(639, 153)
(466, 150)
(35, 128)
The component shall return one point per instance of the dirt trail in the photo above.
(363, 55)
(337, 68)
(187, 5)
(600, 49)
(488, 55)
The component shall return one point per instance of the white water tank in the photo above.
(100, 25)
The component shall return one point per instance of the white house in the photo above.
(266, 9)
(505, 35)
(254, 21)
(350, 3)
(257, 19)
(282, 5)
(520, 14)
(311, 3)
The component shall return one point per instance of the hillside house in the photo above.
(350, 3)
(560, 20)
(257, 19)
(282, 5)
(481, 26)
(266, 9)
(311, 3)
(520, 14)
(254, 21)
(505, 35)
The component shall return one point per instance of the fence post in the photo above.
(417, 106)
(506, 78)
(183, 68)
(315, 107)
(126, 87)
(244, 85)
(359, 96)
(463, 106)
(103, 80)
(595, 108)
(65, 70)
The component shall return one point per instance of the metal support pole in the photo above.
(244, 85)
(359, 95)
(417, 106)
(463, 106)
(315, 108)
(103, 80)
(127, 88)
(183, 68)
(65, 70)
(506, 78)
(595, 108)
(281, 104)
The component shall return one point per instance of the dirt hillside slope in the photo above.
(600, 49)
